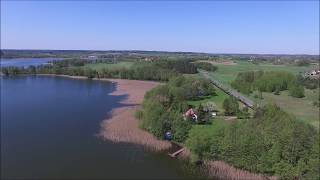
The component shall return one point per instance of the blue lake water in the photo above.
(49, 127)
(25, 62)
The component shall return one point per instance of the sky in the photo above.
(269, 27)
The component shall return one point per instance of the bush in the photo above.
(296, 91)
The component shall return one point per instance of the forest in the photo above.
(270, 81)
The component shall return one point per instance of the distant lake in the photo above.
(25, 62)
(49, 127)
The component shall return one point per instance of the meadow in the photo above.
(227, 73)
(301, 108)
(217, 99)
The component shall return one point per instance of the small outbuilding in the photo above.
(191, 114)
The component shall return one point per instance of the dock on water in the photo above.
(175, 154)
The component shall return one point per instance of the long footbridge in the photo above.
(232, 92)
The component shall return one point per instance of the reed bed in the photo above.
(122, 126)
(222, 170)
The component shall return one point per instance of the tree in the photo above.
(231, 106)
(203, 116)
(90, 73)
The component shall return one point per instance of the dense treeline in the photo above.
(143, 72)
(158, 71)
(164, 106)
(272, 143)
(206, 66)
(303, 62)
(181, 66)
(273, 81)
(70, 62)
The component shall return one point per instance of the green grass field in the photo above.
(301, 108)
(227, 73)
(218, 100)
(100, 66)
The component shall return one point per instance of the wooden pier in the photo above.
(175, 154)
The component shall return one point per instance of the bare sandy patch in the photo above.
(122, 126)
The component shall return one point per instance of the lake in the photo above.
(49, 127)
(25, 62)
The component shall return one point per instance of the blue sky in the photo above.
(288, 27)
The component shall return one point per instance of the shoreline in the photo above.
(123, 127)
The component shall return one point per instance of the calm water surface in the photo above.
(49, 127)
(25, 62)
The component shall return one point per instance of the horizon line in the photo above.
(233, 53)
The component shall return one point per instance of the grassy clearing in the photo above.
(227, 73)
(301, 108)
(100, 66)
(218, 100)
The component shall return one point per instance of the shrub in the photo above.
(231, 106)
(296, 90)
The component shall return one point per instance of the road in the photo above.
(246, 101)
